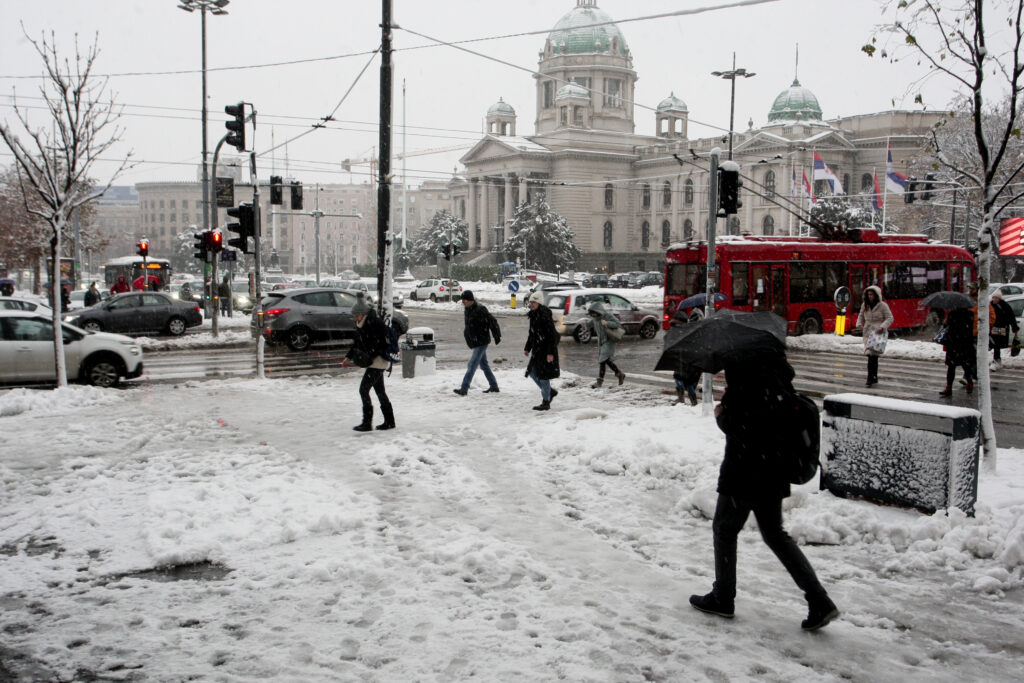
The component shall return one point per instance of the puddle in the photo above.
(191, 571)
(33, 546)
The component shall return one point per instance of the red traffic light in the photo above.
(143, 247)
(216, 241)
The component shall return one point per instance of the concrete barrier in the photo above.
(910, 453)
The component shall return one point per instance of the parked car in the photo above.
(618, 281)
(436, 290)
(349, 275)
(652, 278)
(13, 303)
(1006, 289)
(139, 313)
(554, 284)
(302, 317)
(1016, 303)
(371, 290)
(26, 352)
(189, 292)
(571, 319)
(595, 280)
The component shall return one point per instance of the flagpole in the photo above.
(885, 188)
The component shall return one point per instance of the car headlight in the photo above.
(70, 318)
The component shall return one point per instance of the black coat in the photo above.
(751, 419)
(541, 342)
(960, 348)
(1005, 320)
(370, 341)
(92, 297)
(480, 325)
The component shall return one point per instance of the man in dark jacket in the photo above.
(480, 325)
(92, 295)
(542, 347)
(1004, 327)
(369, 350)
(751, 480)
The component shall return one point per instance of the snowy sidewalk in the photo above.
(479, 540)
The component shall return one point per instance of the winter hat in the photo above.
(537, 297)
(997, 295)
(468, 296)
(360, 307)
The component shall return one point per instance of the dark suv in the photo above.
(300, 317)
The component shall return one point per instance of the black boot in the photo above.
(367, 423)
(712, 605)
(554, 392)
(389, 417)
(364, 427)
(545, 405)
(820, 613)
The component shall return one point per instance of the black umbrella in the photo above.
(727, 337)
(948, 300)
(699, 299)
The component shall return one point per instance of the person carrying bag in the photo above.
(874, 320)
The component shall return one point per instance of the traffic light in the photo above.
(216, 242)
(296, 195)
(143, 247)
(245, 226)
(455, 249)
(729, 185)
(908, 196)
(199, 246)
(446, 251)
(276, 190)
(236, 128)
(929, 186)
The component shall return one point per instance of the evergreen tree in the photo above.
(541, 238)
(442, 227)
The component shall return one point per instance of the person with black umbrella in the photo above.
(960, 348)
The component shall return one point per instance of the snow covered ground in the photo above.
(239, 530)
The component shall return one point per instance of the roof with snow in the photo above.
(672, 103)
(502, 107)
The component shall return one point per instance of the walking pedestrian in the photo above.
(600, 321)
(369, 351)
(92, 295)
(224, 294)
(1004, 327)
(750, 480)
(120, 286)
(960, 349)
(542, 348)
(685, 376)
(874, 320)
(480, 326)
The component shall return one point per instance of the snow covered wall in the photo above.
(905, 452)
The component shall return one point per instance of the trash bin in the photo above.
(418, 352)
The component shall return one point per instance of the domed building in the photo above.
(628, 195)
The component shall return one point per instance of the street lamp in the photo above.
(215, 7)
(731, 75)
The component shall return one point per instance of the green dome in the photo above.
(672, 103)
(572, 90)
(501, 107)
(574, 35)
(797, 100)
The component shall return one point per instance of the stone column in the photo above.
(485, 221)
(471, 213)
(654, 229)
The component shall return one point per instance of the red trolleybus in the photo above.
(796, 277)
(132, 267)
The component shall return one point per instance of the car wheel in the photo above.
(648, 330)
(92, 326)
(103, 373)
(412, 295)
(176, 326)
(810, 323)
(299, 338)
(433, 298)
(582, 334)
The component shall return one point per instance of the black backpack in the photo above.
(800, 442)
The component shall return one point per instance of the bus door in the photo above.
(778, 299)
(959, 275)
(759, 287)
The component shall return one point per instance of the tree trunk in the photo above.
(988, 433)
(58, 332)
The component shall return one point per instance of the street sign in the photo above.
(229, 255)
(513, 286)
(225, 192)
(842, 297)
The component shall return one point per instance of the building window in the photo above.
(768, 225)
(687, 230)
(184, 203)
(645, 196)
(769, 184)
(549, 94)
(666, 233)
(612, 92)
(161, 203)
(577, 116)
(564, 115)
(173, 204)
(666, 194)
(582, 80)
(734, 226)
(174, 218)
(608, 235)
(867, 184)
(645, 235)
(462, 208)
(609, 195)
(688, 192)
(846, 182)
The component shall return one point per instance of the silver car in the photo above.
(571, 318)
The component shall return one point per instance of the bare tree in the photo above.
(54, 159)
(952, 39)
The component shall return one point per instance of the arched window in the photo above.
(769, 184)
(645, 235)
(609, 196)
(734, 226)
(666, 233)
(608, 235)
(645, 196)
(687, 230)
(867, 184)
(462, 208)
(688, 192)
(846, 182)
(666, 194)
(768, 225)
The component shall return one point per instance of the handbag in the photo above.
(614, 333)
(877, 340)
(940, 336)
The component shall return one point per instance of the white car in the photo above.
(1016, 302)
(436, 290)
(569, 308)
(13, 303)
(97, 358)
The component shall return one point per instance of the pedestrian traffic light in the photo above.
(199, 246)
(455, 249)
(236, 128)
(729, 185)
(245, 226)
(276, 190)
(446, 251)
(143, 247)
(216, 241)
(296, 195)
(929, 186)
(909, 196)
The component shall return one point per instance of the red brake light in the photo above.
(276, 311)
(442, 288)
(568, 302)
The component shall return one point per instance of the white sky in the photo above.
(448, 90)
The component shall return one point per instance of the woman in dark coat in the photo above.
(369, 350)
(542, 348)
(960, 348)
(751, 480)
(1004, 327)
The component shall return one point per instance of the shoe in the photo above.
(871, 382)
(492, 390)
(622, 376)
(963, 381)
(364, 427)
(460, 392)
(819, 615)
(693, 400)
(554, 392)
(386, 425)
(712, 605)
(597, 384)
(970, 386)
(948, 391)
(545, 405)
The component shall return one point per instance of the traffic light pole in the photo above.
(710, 284)
(214, 292)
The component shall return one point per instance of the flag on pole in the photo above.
(894, 182)
(878, 194)
(823, 172)
(792, 186)
(808, 192)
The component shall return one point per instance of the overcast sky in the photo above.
(448, 90)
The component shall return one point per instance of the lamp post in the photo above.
(215, 7)
(731, 75)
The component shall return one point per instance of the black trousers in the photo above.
(607, 363)
(374, 379)
(730, 516)
(872, 368)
